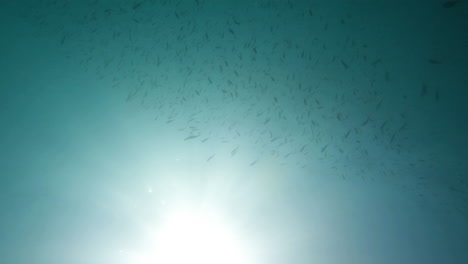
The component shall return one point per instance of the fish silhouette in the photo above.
(450, 3)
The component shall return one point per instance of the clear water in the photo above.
(325, 131)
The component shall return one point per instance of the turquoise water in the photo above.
(324, 131)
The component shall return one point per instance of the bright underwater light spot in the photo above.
(190, 237)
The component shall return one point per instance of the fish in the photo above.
(234, 151)
(423, 90)
(382, 127)
(303, 147)
(274, 139)
(324, 148)
(191, 137)
(379, 105)
(434, 61)
(347, 133)
(377, 61)
(365, 122)
(137, 5)
(210, 158)
(345, 65)
(450, 4)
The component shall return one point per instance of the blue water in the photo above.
(325, 131)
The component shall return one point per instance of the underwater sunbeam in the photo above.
(197, 237)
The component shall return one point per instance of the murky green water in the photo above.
(321, 131)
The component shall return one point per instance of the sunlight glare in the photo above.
(191, 237)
